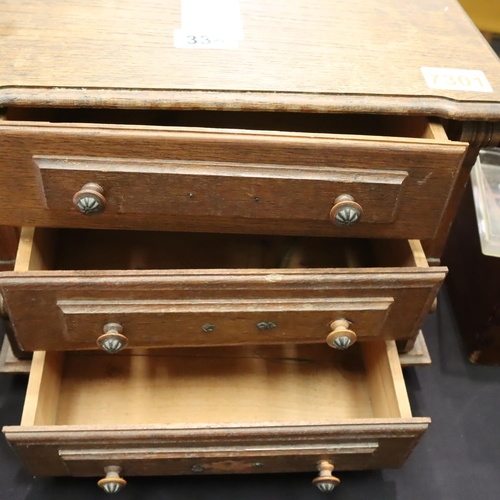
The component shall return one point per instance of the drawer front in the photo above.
(222, 322)
(159, 462)
(228, 410)
(220, 189)
(157, 450)
(211, 180)
(68, 310)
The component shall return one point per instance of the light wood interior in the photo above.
(296, 384)
(349, 124)
(436, 131)
(42, 394)
(81, 249)
(382, 365)
(307, 383)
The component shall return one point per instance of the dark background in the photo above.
(458, 458)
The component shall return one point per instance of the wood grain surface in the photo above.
(190, 283)
(296, 405)
(363, 55)
(9, 239)
(223, 180)
(9, 363)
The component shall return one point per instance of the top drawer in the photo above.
(395, 173)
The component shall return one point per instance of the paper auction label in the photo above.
(471, 80)
(209, 24)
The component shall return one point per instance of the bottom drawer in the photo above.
(216, 410)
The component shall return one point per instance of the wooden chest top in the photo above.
(352, 56)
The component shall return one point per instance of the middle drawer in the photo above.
(84, 289)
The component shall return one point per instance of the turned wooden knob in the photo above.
(345, 211)
(341, 337)
(325, 481)
(112, 483)
(90, 199)
(112, 340)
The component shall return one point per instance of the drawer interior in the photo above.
(348, 124)
(162, 412)
(80, 249)
(294, 384)
(89, 249)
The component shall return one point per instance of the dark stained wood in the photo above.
(224, 180)
(10, 363)
(12, 359)
(34, 251)
(242, 190)
(418, 355)
(316, 55)
(69, 309)
(250, 101)
(434, 248)
(478, 135)
(228, 321)
(193, 283)
(13, 350)
(320, 99)
(157, 450)
(164, 461)
(9, 239)
(362, 420)
(407, 254)
(473, 286)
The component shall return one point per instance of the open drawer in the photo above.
(266, 173)
(216, 410)
(111, 289)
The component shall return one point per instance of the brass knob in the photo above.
(112, 340)
(345, 211)
(341, 337)
(90, 199)
(325, 481)
(112, 483)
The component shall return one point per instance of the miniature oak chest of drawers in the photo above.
(222, 208)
